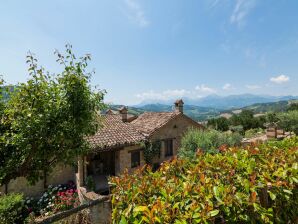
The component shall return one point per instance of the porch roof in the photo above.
(115, 133)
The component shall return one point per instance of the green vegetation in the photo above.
(207, 141)
(12, 209)
(238, 122)
(293, 106)
(151, 150)
(289, 121)
(46, 120)
(220, 124)
(254, 132)
(275, 107)
(238, 185)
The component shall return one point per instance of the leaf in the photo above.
(287, 191)
(253, 196)
(123, 220)
(196, 215)
(214, 213)
(272, 196)
(141, 209)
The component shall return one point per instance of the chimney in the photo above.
(109, 112)
(179, 106)
(123, 112)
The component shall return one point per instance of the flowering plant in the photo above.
(54, 199)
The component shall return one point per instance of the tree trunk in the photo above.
(45, 186)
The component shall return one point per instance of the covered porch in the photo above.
(98, 168)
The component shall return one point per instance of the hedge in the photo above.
(257, 184)
(12, 209)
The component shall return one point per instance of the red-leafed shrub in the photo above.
(257, 184)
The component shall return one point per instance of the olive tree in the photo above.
(48, 118)
(289, 121)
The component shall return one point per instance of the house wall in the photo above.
(60, 175)
(123, 159)
(175, 129)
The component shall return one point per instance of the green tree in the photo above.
(221, 123)
(207, 141)
(289, 121)
(293, 106)
(48, 118)
(247, 120)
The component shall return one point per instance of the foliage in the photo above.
(293, 106)
(47, 118)
(289, 121)
(54, 199)
(247, 120)
(220, 124)
(151, 150)
(257, 184)
(90, 183)
(12, 209)
(271, 118)
(207, 141)
(254, 132)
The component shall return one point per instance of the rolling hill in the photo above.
(224, 102)
(195, 112)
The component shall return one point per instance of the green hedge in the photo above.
(257, 184)
(12, 209)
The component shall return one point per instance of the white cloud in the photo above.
(252, 87)
(164, 95)
(241, 10)
(227, 86)
(205, 89)
(136, 13)
(280, 79)
(171, 94)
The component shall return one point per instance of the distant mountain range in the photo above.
(195, 112)
(224, 102)
(213, 105)
(279, 106)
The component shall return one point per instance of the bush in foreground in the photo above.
(252, 185)
(12, 209)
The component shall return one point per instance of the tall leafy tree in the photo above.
(289, 121)
(221, 123)
(49, 117)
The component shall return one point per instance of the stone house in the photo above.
(119, 144)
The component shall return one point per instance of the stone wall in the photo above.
(61, 174)
(124, 159)
(97, 211)
(175, 130)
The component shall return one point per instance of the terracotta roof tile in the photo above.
(115, 133)
(149, 122)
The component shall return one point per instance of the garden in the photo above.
(256, 184)
(14, 208)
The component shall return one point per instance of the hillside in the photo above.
(195, 112)
(224, 102)
(279, 106)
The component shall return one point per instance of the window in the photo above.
(168, 147)
(135, 159)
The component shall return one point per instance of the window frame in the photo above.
(134, 164)
(169, 147)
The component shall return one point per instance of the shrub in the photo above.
(208, 141)
(289, 121)
(58, 198)
(240, 185)
(12, 209)
(254, 132)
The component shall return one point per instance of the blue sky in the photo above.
(152, 49)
